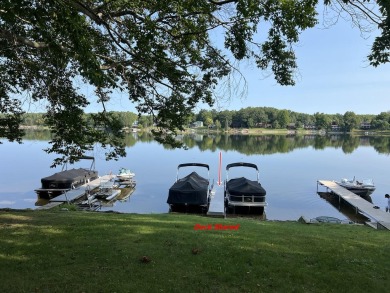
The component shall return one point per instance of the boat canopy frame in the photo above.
(193, 165)
(65, 165)
(241, 164)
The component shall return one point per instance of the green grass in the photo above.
(67, 251)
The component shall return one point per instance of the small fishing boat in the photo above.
(192, 190)
(242, 191)
(65, 180)
(125, 174)
(362, 188)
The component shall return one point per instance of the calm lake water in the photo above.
(289, 169)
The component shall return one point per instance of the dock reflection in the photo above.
(345, 208)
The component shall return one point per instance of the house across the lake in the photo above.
(335, 127)
(291, 126)
(197, 124)
(309, 127)
(365, 125)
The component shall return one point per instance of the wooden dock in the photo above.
(217, 203)
(381, 218)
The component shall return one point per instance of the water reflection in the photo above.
(289, 169)
(343, 207)
(255, 144)
(271, 144)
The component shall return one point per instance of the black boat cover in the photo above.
(243, 186)
(65, 179)
(191, 190)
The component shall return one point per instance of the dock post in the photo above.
(66, 198)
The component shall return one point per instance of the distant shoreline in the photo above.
(262, 131)
(250, 131)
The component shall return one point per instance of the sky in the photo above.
(333, 77)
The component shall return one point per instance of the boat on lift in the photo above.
(63, 181)
(242, 191)
(362, 188)
(191, 191)
(125, 174)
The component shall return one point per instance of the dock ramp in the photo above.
(217, 202)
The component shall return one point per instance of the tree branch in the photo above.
(84, 9)
(222, 2)
(21, 40)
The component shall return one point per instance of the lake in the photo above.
(289, 169)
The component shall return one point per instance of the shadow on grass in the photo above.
(107, 252)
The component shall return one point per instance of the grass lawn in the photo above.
(71, 251)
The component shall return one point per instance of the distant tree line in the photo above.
(254, 117)
(266, 117)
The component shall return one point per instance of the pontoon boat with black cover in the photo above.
(192, 190)
(242, 191)
(65, 180)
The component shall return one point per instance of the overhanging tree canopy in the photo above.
(157, 52)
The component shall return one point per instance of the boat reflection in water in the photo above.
(41, 201)
(345, 208)
(258, 213)
(123, 196)
(236, 212)
(108, 193)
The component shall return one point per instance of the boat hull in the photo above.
(361, 191)
(124, 177)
